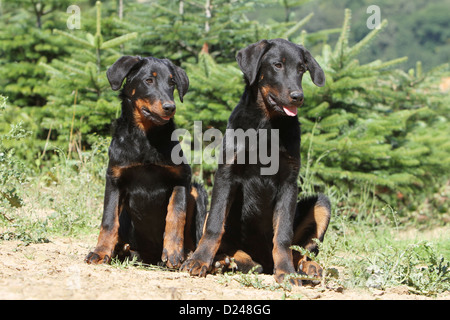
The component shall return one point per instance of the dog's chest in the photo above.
(127, 149)
(135, 163)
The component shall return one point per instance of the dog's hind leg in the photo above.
(311, 221)
(126, 244)
(195, 217)
(237, 260)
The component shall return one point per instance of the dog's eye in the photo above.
(149, 80)
(301, 69)
(278, 65)
(172, 82)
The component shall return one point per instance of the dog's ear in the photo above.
(315, 71)
(120, 69)
(249, 59)
(182, 81)
(180, 77)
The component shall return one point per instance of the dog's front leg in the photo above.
(222, 198)
(108, 236)
(283, 219)
(173, 247)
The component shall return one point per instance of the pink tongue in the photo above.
(290, 111)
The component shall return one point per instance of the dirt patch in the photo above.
(56, 270)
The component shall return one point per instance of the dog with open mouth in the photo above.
(255, 218)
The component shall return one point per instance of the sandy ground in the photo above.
(56, 270)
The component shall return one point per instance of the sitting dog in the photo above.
(151, 208)
(255, 218)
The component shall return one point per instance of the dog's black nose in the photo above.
(169, 108)
(297, 95)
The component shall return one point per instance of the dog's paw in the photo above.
(312, 270)
(223, 263)
(172, 258)
(240, 261)
(195, 267)
(281, 276)
(94, 257)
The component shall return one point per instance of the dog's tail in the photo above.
(200, 210)
(311, 220)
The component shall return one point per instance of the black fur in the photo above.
(141, 177)
(252, 212)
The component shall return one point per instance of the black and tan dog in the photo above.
(151, 209)
(255, 218)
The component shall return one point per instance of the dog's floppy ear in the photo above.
(180, 77)
(119, 70)
(182, 81)
(249, 59)
(315, 71)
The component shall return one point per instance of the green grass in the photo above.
(359, 253)
(65, 199)
(366, 246)
(382, 256)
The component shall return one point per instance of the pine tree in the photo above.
(25, 41)
(189, 27)
(366, 128)
(371, 130)
(216, 81)
(81, 104)
(215, 91)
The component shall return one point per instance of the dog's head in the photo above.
(276, 67)
(150, 84)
